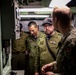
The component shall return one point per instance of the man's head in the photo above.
(33, 28)
(48, 27)
(61, 17)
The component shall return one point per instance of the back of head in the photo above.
(63, 15)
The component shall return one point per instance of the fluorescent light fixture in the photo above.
(34, 16)
(58, 3)
(34, 9)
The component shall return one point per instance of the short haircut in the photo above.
(64, 16)
(32, 23)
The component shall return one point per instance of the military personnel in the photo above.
(66, 57)
(32, 42)
(18, 51)
(47, 55)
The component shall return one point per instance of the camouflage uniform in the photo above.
(32, 47)
(18, 52)
(66, 57)
(43, 56)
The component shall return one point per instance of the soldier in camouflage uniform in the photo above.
(52, 37)
(18, 51)
(66, 57)
(32, 42)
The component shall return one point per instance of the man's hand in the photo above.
(49, 73)
(48, 67)
(36, 73)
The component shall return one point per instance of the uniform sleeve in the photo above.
(70, 53)
(68, 57)
(26, 42)
(27, 46)
(37, 61)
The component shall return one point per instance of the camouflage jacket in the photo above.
(66, 57)
(43, 55)
(32, 44)
(19, 44)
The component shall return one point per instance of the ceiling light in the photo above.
(34, 16)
